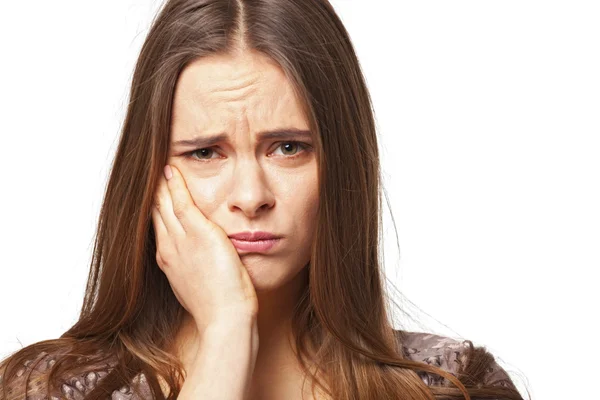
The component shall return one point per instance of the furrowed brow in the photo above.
(281, 134)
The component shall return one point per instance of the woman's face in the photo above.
(242, 181)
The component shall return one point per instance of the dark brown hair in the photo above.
(130, 313)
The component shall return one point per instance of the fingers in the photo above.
(166, 218)
(183, 207)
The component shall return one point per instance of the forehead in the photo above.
(226, 93)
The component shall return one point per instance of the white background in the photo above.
(489, 115)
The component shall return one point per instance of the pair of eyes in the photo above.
(289, 144)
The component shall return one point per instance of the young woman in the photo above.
(237, 248)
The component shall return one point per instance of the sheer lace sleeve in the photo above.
(448, 354)
(31, 383)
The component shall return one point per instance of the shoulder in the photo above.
(449, 354)
(440, 351)
(30, 381)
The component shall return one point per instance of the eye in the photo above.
(291, 145)
(204, 151)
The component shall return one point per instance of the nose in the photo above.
(250, 191)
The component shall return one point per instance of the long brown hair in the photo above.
(130, 313)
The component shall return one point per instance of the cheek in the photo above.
(310, 195)
(313, 195)
(205, 196)
(308, 205)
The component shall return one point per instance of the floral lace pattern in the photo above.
(445, 353)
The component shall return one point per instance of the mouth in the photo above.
(255, 246)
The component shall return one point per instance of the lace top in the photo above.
(440, 351)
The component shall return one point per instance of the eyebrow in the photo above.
(282, 134)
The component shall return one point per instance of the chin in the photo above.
(270, 273)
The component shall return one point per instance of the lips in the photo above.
(256, 242)
(255, 246)
(254, 236)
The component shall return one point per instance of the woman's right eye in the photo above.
(206, 151)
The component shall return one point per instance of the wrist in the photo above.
(228, 325)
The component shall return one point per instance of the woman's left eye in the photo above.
(293, 144)
(288, 146)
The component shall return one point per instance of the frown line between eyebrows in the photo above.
(280, 134)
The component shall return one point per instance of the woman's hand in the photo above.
(198, 258)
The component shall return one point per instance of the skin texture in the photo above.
(243, 183)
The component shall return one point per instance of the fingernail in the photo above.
(168, 172)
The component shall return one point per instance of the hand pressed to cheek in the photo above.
(200, 262)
